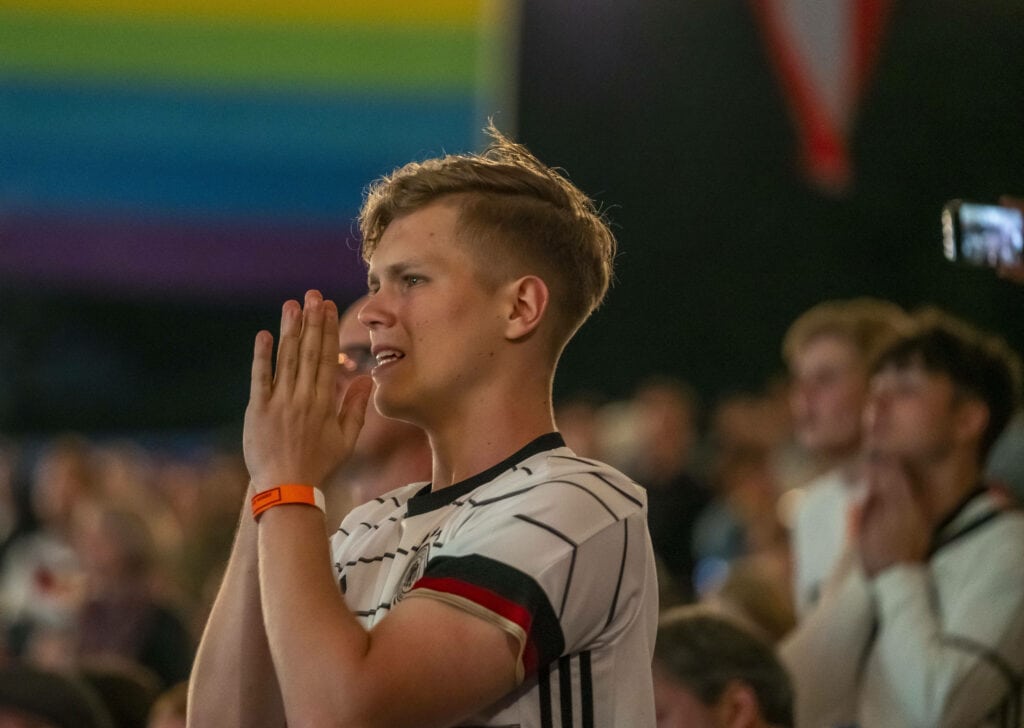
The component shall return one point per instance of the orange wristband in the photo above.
(285, 494)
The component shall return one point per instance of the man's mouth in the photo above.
(384, 356)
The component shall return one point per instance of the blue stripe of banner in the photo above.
(204, 154)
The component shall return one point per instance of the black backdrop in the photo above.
(670, 111)
(669, 114)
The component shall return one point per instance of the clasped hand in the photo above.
(890, 526)
(295, 431)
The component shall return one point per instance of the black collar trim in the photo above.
(943, 535)
(427, 500)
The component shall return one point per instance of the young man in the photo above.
(922, 622)
(712, 673)
(517, 588)
(829, 350)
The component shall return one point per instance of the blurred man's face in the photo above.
(827, 396)
(379, 434)
(677, 707)
(911, 414)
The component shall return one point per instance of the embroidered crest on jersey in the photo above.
(413, 571)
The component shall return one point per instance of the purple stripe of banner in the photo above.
(177, 258)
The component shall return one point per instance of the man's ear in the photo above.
(738, 707)
(528, 301)
(971, 419)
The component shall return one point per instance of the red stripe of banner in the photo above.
(824, 152)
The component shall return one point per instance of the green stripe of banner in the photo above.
(236, 54)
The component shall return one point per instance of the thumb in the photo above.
(352, 413)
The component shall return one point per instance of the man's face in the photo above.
(675, 706)
(827, 397)
(911, 414)
(435, 327)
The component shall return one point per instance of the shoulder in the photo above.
(567, 493)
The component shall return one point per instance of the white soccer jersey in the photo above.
(550, 547)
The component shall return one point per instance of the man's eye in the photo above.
(411, 280)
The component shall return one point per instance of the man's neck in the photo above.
(941, 486)
(472, 444)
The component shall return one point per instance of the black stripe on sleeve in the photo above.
(565, 690)
(544, 695)
(514, 586)
(586, 691)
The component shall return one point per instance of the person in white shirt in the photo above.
(922, 621)
(829, 350)
(517, 587)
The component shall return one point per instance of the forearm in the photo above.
(822, 653)
(316, 642)
(946, 674)
(233, 681)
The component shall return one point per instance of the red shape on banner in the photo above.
(824, 149)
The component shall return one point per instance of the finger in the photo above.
(262, 370)
(288, 346)
(327, 375)
(353, 409)
(309, 343)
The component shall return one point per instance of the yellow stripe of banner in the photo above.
(343, 12)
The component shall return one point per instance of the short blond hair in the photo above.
(524, 216)
(868, 324)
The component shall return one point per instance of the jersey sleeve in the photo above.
(559, 566)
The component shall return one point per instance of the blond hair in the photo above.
(519, 215)
(868, 324)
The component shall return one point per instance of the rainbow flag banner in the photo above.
(222, 146)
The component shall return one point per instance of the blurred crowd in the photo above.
(110, 554)
(111, 550)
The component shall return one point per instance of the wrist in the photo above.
(287, 494)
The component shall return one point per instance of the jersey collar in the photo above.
(427, 500)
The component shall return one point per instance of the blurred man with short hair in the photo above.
(829, 350)
(710, 672)
(922, 622)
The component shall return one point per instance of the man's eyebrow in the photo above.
(396, 269)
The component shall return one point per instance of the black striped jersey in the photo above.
(550, 547)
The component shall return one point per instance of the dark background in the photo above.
(670, 115)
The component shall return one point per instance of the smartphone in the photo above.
(985, 235)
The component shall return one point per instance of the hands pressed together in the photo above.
(889, 527)
(295, 432)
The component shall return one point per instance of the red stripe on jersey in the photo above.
(492, 602)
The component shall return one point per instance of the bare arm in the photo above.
(233, 680)
(427, 663)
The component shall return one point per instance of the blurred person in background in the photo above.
(31, 697)
(666, 413)
(579, 420)
(829, 350)
(203, 490)
(120, 616)
(711, 672)
(41, 577)
(922, 621)
(388, 453)
(741, 545)
(170, 708)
